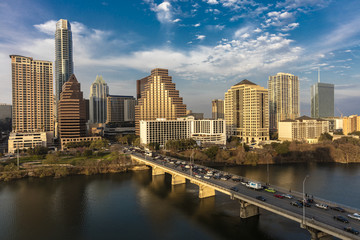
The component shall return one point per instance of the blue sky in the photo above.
(207, 45)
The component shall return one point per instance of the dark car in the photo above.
(339, 209)
(278, 196)
(351, 230)
(261, 198)
(297, 204)
(341, 219)
(234, 189)
(306, 204)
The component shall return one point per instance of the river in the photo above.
(135, 206)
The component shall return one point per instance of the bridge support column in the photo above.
(205, 191)
(176, 179)
(248, 210)
(157, 171)
(316, 234)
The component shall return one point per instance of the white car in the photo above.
(323, 206)
(354, 216)
(206, 177)
(198, 176)
(187, 166)
(287, 196)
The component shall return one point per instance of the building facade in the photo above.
(247, 112)
(351, 124)
(72, 110)
(284, 100)
(162, 130)
(302, 129)
(322, 100)
(32, 95)
(5, 111)
(64, 66)
(159, 99)
(120, 109)
(217, 109)
(140, 86)
(26, 140)
(98, 103)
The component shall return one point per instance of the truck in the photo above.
(254, 185)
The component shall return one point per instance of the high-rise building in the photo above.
(72, 112)
(120, 109)
(98, 93)
(64, 66)
(32, 95)
(247, 112)
(322, 100)
(159, 99)
(351, 124)
(283, 98)
(5, 111)
(217, 109)
(140, 86)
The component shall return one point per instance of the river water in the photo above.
(137, 206)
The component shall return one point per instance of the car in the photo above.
(206, 177)
(305, 203)
(297, 204)
(278, 196)
(261, 198)
(341, 219)
(288, 196)
(351, 230)
(339, 209)
(198, 176)
(270, 190)
(355, 216)
(234, 189)
(236, 179)
(321, 205)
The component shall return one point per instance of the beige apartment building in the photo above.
(217, 109)
(284, 100)
(32, 95)
(159, 99)
(247, 112)
(302, 129)
(351, 124)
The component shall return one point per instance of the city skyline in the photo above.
(207, 46)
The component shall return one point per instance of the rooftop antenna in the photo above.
(318, 74)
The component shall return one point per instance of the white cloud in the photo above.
(197, 25)
(47, 27)
(200, 37)
(176, 20)
(212, 2)
(303, 5)
(290, 27)
(163, 12)
(241, 32)
(257, 30)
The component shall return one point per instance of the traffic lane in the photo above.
(320, 215)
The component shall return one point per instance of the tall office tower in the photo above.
(159, 99)
(247, 112)
(283, 98)
(217, 109)
(98, 93)
(72, 112)
(322, 100)
(120, 109)
(32, 95)
(64, 66)
(140, 86)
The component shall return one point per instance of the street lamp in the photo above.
(304, 200)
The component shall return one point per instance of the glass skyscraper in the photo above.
(98, 93)
(64, 66)
(322, 100)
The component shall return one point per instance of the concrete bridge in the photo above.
(318, 222)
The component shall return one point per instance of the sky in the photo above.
(207, 45)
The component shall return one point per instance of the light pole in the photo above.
(304, 199)
(191, 156)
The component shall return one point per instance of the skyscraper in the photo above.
(283, 98)
(64, 66)
(98, 93)
(159, 99)
(322, 100)
(217, 109)
(72, 113)
(140, 86)
(247, 112)
(121, 109)
(32, 95)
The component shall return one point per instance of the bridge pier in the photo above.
(176, 179)
(316, 234)
(248, 210)
(204, 191)
(157, 171)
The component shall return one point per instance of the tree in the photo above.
(99, 144)
(325, 137)
(211, 152)
(154, 146)
(357, 133)
(281, 148)
(38, 151)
